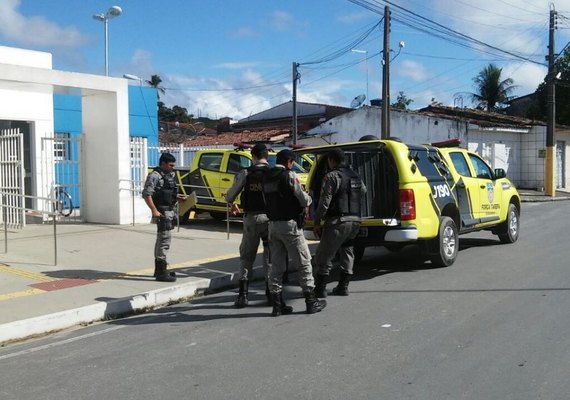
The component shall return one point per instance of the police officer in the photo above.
(255, 221)
(286, 202)
(339, 208)
(160, 194)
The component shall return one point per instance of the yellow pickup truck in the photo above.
(424, 194)
(212, 173)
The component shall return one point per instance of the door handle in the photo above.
(482, 186)
(225, 179)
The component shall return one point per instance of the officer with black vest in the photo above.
(160, 194)
(286, 203)
(255, 221)
(339, 208)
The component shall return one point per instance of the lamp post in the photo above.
(365, 52)
(113, 12)
(133, 78)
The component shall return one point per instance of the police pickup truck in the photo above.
(424, 194)
(212, 173)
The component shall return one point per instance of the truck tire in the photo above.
(509, 230)
(446, 243)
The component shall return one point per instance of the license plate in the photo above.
(363, 232)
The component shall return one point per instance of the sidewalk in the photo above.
(105, 271)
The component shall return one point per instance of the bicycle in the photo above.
(63, 203)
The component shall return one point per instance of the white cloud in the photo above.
(236, 65)
(36, 30)
(526, 77)
(354, 17)
(245, 31)
(281, 21)
(410, 69)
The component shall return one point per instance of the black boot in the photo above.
(241, 300)
(314, 305)
(321, 286)
(342, 287)
(279, 306)
(157, 264)
(162, 275)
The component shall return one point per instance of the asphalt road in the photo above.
(492, 326)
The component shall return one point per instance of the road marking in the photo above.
(184, 264)
(147, 271)
(22, 293)
(66, 341)
(25, 274)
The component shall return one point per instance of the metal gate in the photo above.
(61, 173)
(12, 177)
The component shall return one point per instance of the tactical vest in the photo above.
(165, 196)
(252, 195)
(281, 203)
(346, 200)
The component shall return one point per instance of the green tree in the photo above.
(155, 82)
(491, 92)
(402, 101)
(435, 103)
(538, 109)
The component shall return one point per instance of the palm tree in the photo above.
(155, 82)
(491, 90)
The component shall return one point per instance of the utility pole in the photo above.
(549, 172)
(385, 134)
(296, 77)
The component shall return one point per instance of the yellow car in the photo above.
(425, 194)
(211, 175)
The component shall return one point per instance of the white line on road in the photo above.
(66, 341)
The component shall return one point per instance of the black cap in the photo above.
(259, 149)
(285, 155)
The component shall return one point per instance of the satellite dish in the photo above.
(357, 101)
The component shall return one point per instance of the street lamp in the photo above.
(365, 52)
(113, 12)
(133, 78)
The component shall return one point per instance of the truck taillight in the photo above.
(407, 205)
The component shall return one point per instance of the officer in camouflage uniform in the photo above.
(339, 208)
(255, 221)
(286, 202)
(160, 194)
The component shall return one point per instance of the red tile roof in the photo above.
(229, 138)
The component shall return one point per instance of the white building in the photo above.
(27, 87)
(514, 144)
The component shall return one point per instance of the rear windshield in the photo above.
(296, 167)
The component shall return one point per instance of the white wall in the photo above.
(26, 93)
(408, 126)
(514, 150)
(28, 58)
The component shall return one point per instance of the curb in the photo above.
(49, 323)
(542, 199)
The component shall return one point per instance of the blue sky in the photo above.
(208, 51)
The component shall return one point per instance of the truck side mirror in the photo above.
(500, 173)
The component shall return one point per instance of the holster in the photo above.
(301, 220)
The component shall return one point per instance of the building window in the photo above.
(61, 146)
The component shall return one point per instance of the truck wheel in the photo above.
(358, 254)
(509, 230)
(446, 243)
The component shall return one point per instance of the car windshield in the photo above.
(296, 167)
